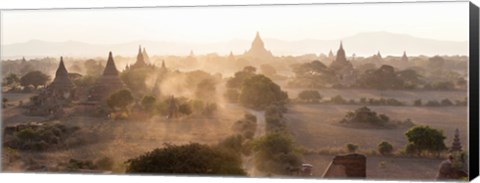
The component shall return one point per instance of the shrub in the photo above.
(423, 139)
(191, 158)
(310, 96)
(276, 152)
(338, 100)
(385, 148)
(351, 148)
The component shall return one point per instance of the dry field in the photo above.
(122, 140)
(315, 128)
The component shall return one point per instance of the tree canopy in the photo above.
(120, 99)
(259, 92)
(423, 139)
(191, 158)
(35, 78)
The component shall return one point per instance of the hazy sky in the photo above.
(442, 21)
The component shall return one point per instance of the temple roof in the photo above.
(61, 80)
(140, 59)
(110, 68)
(341, 54)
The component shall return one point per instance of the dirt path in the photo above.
(249, 162)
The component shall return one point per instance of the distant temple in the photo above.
(258, 49)
(404, 57)
(456, 145)
(109, 81)
(331, 57)
(146, 58)
(61, 83)
(343, 68)
(52, 100)
(172, 108)
(140, 62)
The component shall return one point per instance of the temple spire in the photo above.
(110, 68)
(341, 57)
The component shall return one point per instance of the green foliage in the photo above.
(246, 127)
(135, 79)
(351, 148)
(233, 143)
(385, 77)
(11, 79)
(364, 115)
(239, 77)
(192, 158)
(312, 75)
(120, 99)
(423, 139)
(310, 96)
(275, 152)
(385, 148)
(259, 92)
(39, 138)
(34, 78)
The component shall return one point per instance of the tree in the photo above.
(240, 76)
(259, 92)
(93, 68)
(423, 139)
(310, 95)
(148, 103)
(35, 78)
(352, 148)
(12, 79)
(205, 89)
(274, 152)
(385, 148)
(120, 99)
(191, 158)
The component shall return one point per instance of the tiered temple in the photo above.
(456, 145)
(343, 68)
(109, 81)
(140, 62)
(258, 49)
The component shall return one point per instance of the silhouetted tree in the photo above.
(35, 78)
(259, 92)
(423, 139)
(191, 159)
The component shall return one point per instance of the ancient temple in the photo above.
(331, 57)
(108, 83)
(456, 145)
(343, 68)
(404, 57)
(61, 83)
(140, 62)
(257, 50)
(146, 58)
(52, 100)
